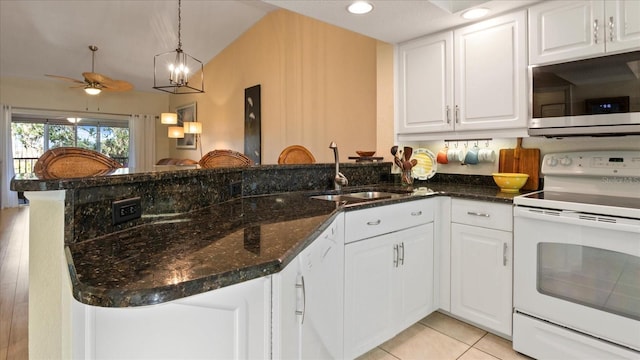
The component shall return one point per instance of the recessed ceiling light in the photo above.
(475, 13)
(360, 7)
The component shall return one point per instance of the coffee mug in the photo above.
(472, 156)
(441, 158)
(455, 154)
(486, 155)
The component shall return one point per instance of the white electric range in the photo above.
(577, 259)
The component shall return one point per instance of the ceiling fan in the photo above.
(94, 82)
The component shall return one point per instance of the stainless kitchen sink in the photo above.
(357, 196)
(329, 197)
(370, 195)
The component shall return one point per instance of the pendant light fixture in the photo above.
(169, 118)
(172, 69)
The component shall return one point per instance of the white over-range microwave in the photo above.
(593, 97)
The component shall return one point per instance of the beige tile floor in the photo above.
(441, 337)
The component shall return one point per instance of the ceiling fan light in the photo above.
(92, 90)
(169, 118)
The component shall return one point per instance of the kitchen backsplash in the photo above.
(164, 194)
(544, 144)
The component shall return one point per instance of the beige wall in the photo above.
(318, 84)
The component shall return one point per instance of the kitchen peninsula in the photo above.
(198, 233)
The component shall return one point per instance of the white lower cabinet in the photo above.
(308, 300)
(228, 323)
(481, 264)
(389, 278)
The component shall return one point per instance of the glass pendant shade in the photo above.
(176, 132)
(169, 118)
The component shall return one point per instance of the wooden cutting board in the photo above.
(521, 160)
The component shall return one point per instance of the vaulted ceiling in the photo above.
(40, 37)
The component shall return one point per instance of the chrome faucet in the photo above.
(339, 180)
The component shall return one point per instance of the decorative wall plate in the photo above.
(426, 166)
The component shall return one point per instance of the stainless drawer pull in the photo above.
(401, 256)
(595, 31)
(504, 254)
(416, 213)
(611, 29)
(304, 299)
(448, 115)
(478, 214)
(395, 255)
(377, 222)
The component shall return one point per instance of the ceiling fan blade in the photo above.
(92, 77)
(118, 85)
(65, 78)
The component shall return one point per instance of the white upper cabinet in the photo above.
(425, 85)
(491, 74)
(567, 30)
(464, 83)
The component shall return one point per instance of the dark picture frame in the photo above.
(187, 112)
(252, 124)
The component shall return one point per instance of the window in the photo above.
(33, 135)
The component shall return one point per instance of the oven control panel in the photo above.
(593, 163)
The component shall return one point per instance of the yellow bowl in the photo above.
(510, 182)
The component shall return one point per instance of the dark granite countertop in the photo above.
(221, 245)
(213, 238)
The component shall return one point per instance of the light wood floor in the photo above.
(14, 283)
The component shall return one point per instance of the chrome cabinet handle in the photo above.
(478, 214)
(401, 260)
(304, 299)
(395, 255)
(376, 222)
(504, 254)
(457, 114)
(595, 31)
(448, 115)
(611, 28)
(416, 213)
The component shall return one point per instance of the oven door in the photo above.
(580, 271)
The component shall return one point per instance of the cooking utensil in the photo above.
(408, 151)
(521, 160)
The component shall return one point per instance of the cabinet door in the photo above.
(370, 273)
(564, 30)
(481, 273)
(229, 323)
(322, 278)
(415, 285)
(622, 25)
(425, 84)
(287, 303)
(491, 71)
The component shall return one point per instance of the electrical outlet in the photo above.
(236, 188)
(126, 209)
